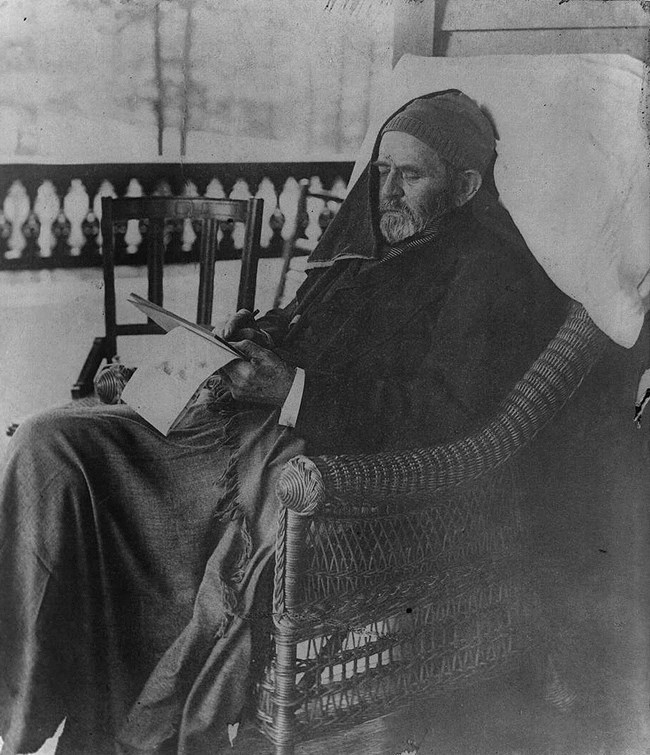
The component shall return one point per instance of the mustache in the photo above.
(397, 205)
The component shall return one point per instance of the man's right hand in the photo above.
(241, 327)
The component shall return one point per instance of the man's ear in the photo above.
(469, 182)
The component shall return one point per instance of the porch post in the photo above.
(414, 27)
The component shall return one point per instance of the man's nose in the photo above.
(392, 185)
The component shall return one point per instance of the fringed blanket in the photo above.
(147, 573)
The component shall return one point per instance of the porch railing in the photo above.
(50, 214)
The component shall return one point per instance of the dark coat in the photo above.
(419, 349)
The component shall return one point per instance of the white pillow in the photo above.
(572, 166)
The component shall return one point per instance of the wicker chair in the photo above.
(398, 574)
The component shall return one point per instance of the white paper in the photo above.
(161, 387)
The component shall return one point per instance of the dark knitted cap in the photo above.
(453, 125)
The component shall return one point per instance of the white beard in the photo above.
(397, 225)
(399, 222)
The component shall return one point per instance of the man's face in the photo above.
(414, 186)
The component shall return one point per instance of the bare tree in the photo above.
(188, 86)
(159, 102)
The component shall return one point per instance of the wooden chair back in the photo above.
(206, 215)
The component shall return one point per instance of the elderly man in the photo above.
(135, 567)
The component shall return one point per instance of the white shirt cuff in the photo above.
(291, 406)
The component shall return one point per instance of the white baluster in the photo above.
(340, 189)
(134, 189)
(47, 206)
(75, 207)
(189, 236)
(133, 236)
(314, 208)
(16, 210)
(105, 190)
(215, 189)
(288, 202)
(239, 191)
(315, 184)
(266, 192)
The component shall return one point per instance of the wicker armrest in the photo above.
(331, 483)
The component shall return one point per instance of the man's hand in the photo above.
(261, 378)
(241, 326)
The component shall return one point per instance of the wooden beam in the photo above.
(483, 15)
(632, 42)
(414, 28)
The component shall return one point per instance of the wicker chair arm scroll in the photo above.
(301, 486)
(320, 484)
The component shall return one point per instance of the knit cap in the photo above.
(453, 125)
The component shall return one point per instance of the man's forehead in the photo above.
(405, 149)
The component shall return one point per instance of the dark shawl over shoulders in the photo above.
(419, 349)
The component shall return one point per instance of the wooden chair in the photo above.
(206, 215)
(298, 244)
(399, 575)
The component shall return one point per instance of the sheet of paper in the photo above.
(161, 387)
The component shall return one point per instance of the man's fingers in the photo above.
(250, 349)
(247, 334)
(239, 320)
(236, 334)
(260, 376)
(242, 316)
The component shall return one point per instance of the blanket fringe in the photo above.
(229, 506)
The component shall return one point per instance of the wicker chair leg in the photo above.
(285, 685)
